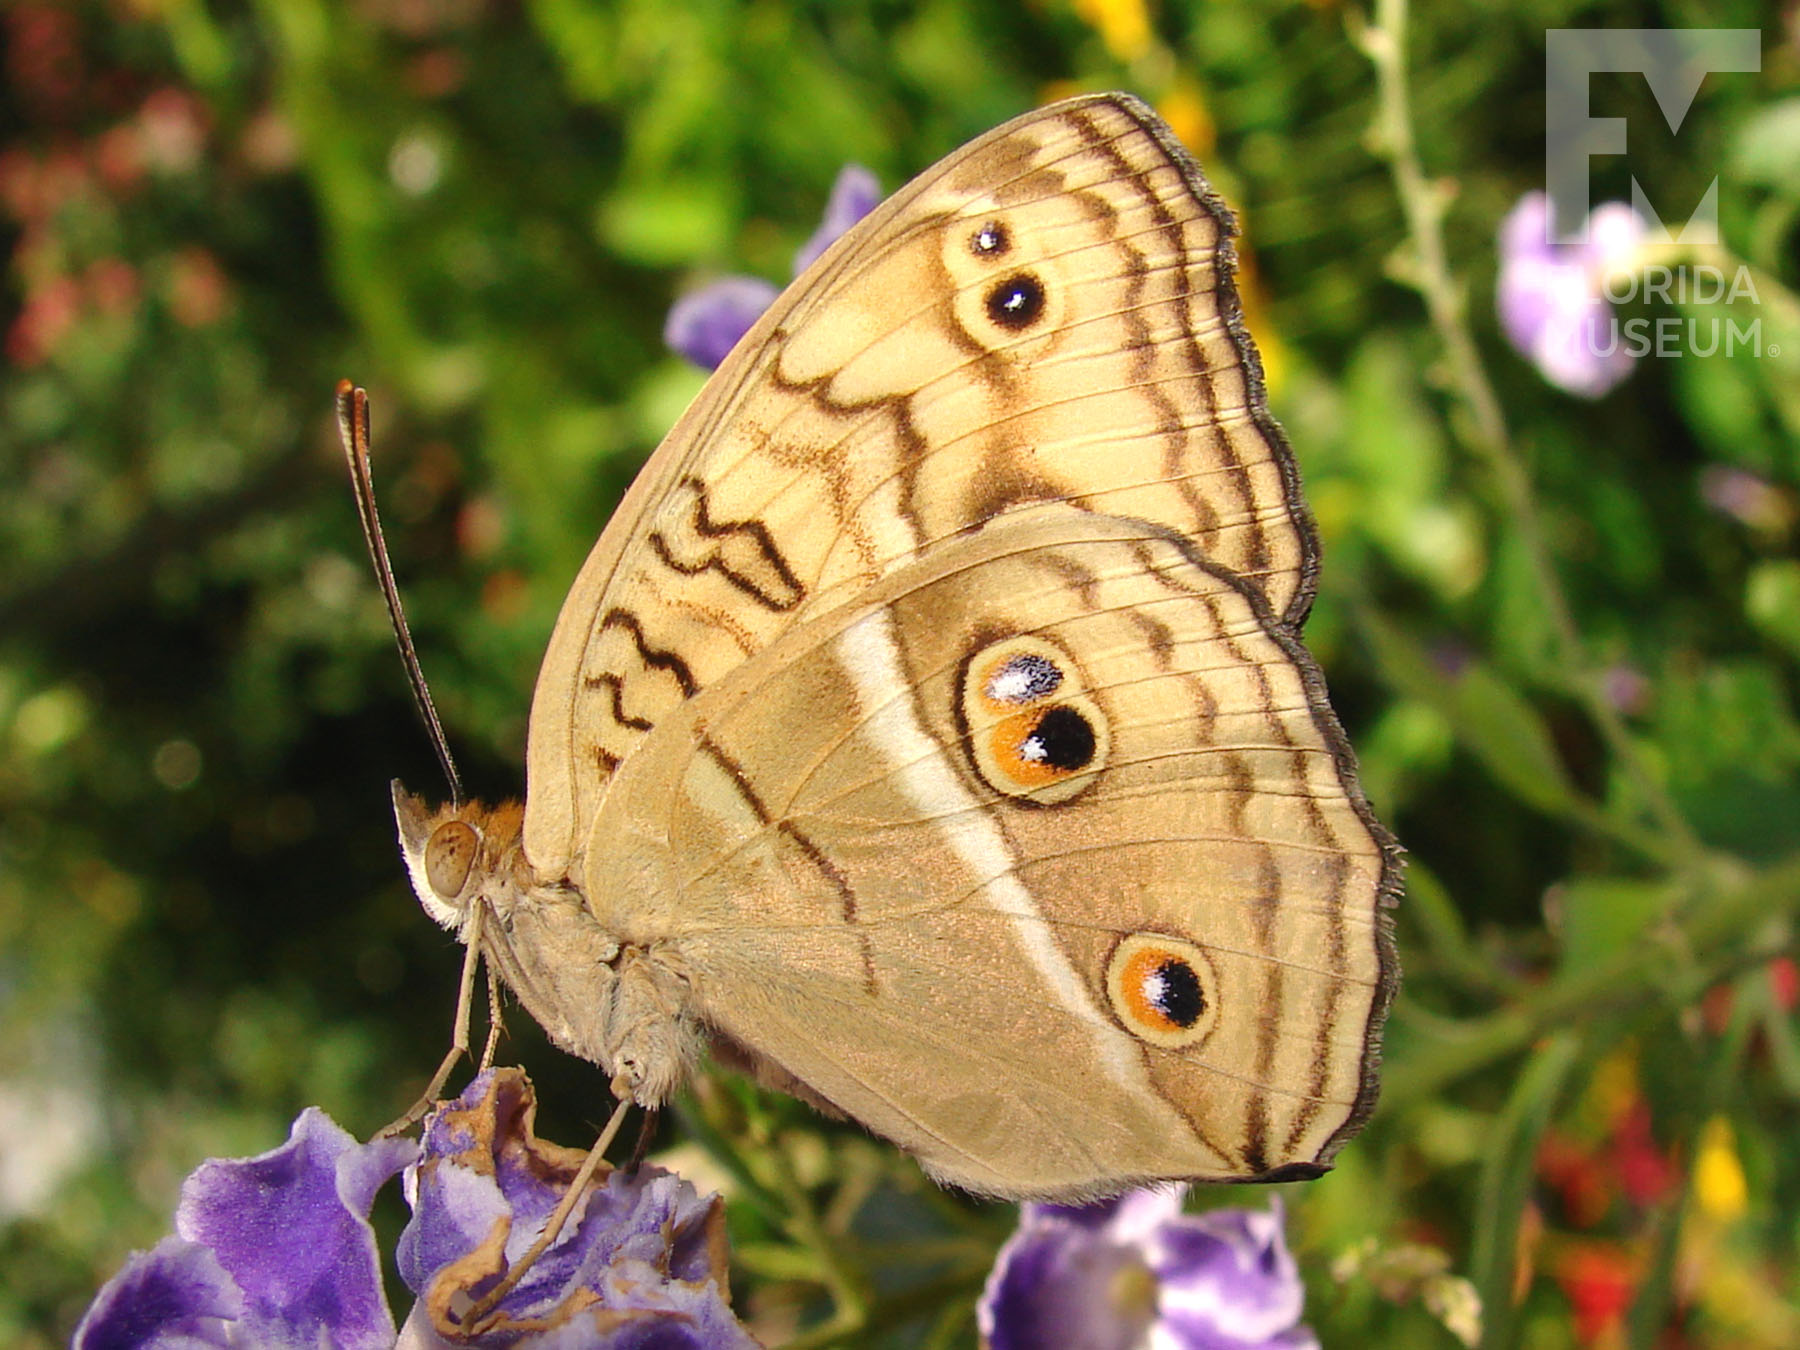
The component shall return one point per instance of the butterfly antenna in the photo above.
(353, 429)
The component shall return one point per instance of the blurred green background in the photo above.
(1563, 635)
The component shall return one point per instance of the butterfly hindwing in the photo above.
(1041, 858)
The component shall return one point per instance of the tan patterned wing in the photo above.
(1047, 314)
(1045, 859)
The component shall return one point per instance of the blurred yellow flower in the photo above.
(1187, 115)
(1612, 1090)
(1719, 1186)
(1123, 25)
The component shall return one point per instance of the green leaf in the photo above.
(1490, 718)
(1772, 600)
(672, 223)
(1396, 452)
(1599, 916)
(1766, 148)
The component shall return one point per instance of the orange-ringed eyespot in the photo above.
(1163, 989)
(1034, 732)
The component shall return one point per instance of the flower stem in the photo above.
(1733, 921)
(1484, 430)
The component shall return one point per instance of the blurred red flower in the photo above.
(1598, 1278)
(199, 291)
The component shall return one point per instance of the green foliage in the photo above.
(1564, 636)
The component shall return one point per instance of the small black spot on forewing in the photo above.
(1016, 302)
(991, 240)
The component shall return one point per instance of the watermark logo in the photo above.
(1717, 297)
(1687, 286)
(1674, 62)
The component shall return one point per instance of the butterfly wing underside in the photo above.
(1155, 949)
(1046, 315)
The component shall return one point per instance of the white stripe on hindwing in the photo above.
(870, 655)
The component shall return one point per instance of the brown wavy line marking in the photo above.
(653, 658)
(656, 658)
(787, 591)
(811, 851)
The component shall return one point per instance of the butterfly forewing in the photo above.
(1046, 315)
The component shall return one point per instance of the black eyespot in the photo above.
(1162, 989)
(1022, 678)
(1062, 740)
(1173, 989)
(1016, 302)
(991, 239)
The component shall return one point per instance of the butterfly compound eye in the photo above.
(449, 857)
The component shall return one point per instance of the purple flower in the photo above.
(1136, 1271)
(1747, 497)
(706, 324)
(855, 193)
(1551, 294)
(271, 1251)
(640, 1263)
(276, 1251)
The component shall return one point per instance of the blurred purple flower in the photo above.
(1136, 1271)
(276, 1251)
(1551, 294)
(1627, 688)
(1747, 497)
(641, 1261)
(706, 324)
(271, 1251)
(855, 193)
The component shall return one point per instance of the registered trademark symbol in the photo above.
(1774, 349)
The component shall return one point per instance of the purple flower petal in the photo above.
(291, 1227)
(176, 1295)
(695, 1320)
(1124, 1217)
(706, 324)
(1056, 1283)
(855, 193)
(1527, 231)
(1614, 233)
(642, 1257)
(272, 1251)
(1549, 294)
(1136, 1271)
(1227, 1278)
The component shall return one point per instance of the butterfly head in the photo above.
(457, 854)
(623, 1006)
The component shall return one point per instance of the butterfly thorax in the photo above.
(616, 1002)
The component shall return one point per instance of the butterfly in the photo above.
(929, 733)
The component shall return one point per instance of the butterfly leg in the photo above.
(495, 1025)
(480, 1317)
(646, 1132)
(459, 1036)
